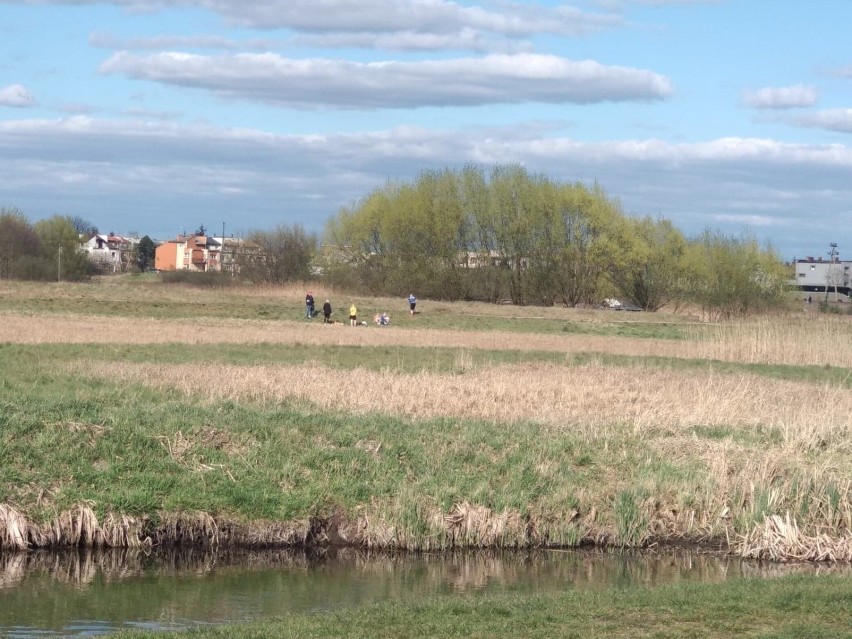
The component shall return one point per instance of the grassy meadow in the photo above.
(135, 412)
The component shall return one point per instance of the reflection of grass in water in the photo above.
(790, 607)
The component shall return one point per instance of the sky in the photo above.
(158, 116)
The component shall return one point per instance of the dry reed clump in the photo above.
(779, 539)
(77, 527)
(464, 526)
(197, 529)
(14, 529)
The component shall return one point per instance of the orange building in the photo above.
(197, 253)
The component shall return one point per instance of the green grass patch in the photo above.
(406, 359)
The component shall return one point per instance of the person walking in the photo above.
(353, 315)
(412, 302)
(309, 305)
(326, 312)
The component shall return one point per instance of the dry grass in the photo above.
(73, 329)
(589, 400)
(779, 539)
(770, 441)
(823, 341)
(758, 441)
(812, 340)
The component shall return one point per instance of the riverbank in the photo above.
(120, 430)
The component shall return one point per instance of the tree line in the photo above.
(510, 234)
(502, 234)
(50, 248)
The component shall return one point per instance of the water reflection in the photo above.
(89, 592)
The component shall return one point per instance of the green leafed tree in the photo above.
(507, 233)
(648, 261)
(730, 276)
(145, 251)
(61, 255)
(583, 254)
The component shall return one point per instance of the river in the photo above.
(88, 593)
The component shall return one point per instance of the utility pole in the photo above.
(59, 264)
(831, 255)
(222, 251)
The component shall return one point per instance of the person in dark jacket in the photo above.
(326, 312)
(309, 305)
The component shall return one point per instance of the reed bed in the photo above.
(809, 340)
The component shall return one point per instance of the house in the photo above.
(113, 252)
(236, 252)
(818, 275)
(481, 259)
(199, 253)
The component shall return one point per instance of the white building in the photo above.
(113, 252)
(818, 275)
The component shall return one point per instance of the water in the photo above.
(48, 594)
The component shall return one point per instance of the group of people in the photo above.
(381, 319)
(310, 309)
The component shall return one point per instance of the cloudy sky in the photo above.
(156, 116)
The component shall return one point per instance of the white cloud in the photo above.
(157, 174)
(781, 97)
(843, 72)
(829, 119)
(462, 40)
(751, 220)
(511, 19)
(109, 41)
(16, 95)
(341, 84)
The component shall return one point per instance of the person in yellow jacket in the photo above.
(353, 315)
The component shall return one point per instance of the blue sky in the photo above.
(156, 116)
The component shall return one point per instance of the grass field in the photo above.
(138, 412)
